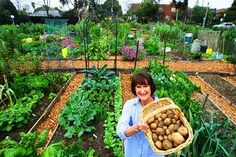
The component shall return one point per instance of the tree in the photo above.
(231, 13)
(109, 4)
(46, 6)
(7, 9)
(181, 8)
(147, 11)
(79, 6)
(198, 14)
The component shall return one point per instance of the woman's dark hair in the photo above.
(142, 78)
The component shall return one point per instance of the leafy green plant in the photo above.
(28, 147)
(52, 96)
(176, 86)
(75, 117)
(97, 50)
(213, 136)
(166, 33)
(53, 50)
(23, 85)
(61, 150)
(99, 74)
(20, 113)
(7, 92)
(92, 100)
(195, 55)
(111, 139)
(152, 45)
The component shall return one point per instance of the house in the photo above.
(166, 12)
(43, 13)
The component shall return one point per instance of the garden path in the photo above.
(50, 123)
(126, 88)
(186, 66)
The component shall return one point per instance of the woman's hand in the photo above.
(136, 128)
(142, 127)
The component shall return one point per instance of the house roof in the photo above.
(53, 13)
(220, 10)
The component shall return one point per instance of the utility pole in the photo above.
(112, 6)
(204, 19)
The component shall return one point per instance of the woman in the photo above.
(129, 128)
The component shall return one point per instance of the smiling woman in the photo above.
(129, 127)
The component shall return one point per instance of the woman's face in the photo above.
(143, 91)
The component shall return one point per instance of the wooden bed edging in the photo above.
(50, 106)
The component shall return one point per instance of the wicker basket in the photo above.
(156, 107)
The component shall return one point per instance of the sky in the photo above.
(124, 3)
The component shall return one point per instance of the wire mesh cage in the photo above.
(56, 26)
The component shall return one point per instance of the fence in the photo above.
(212, 38)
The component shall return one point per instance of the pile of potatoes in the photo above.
(168, 131)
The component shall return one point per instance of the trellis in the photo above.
(93, 15)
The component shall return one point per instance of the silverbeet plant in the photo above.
(99, 74)
(76, 116)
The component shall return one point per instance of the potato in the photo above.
(153, 131)
(169, 138)
(167, 121)
(164, 127)
(170, 116)
(168, 112)
(165, 137)
(163, 116)
(173, 121)
(153, 125)
(161, 124)
(167, 144)
(156, 121)
(161, 138)
(176, 117)
(160, 131)
(179, 122)
(183, 131)
(158, 144)
(151, 120)
(171, 128)
(176, 127)
(159, 119)
(177, 138)
(154, 137)
(168, 132)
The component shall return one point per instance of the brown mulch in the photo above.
(126, 88)
(231, 79)
(50, 122)
(203, 66)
